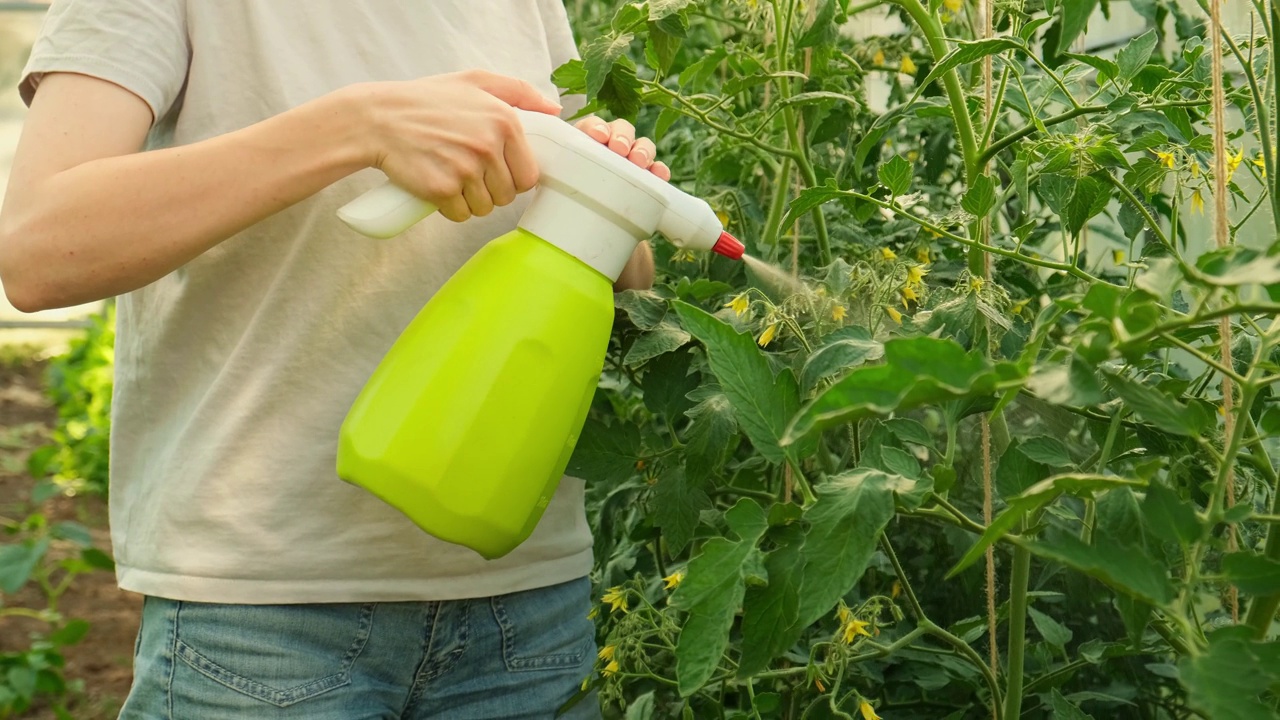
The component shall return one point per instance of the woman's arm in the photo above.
(87, 216)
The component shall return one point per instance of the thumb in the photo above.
(517, 93)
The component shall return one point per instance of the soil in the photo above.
(100, 665)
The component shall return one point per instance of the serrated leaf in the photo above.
(1053, 632)
(659, 9)
(1224, 683)
(645, 308)
(762, 402)
(1064, 710)
(662, 339)
(1157, 408)
(712, 427)
(678, 502)
(641, 708)
(1127, 568)
(605, 454)
(1134, 56)
(1169, 517)
(980, 197)
(571, 77)
(811, 198)
(1253, 574)
(967, 52)
(850, 348)
(822, 28)
(667, 383)
(1047, 450)
(1236, 265)
(917, 371)
(910, 431)
(620, 92)
(663, 45)
(1107, 70)
(711, 593)
(1017, 472)
(599, 56)
(1088, 198)
(18, 561)
(769, 612)
(1072, 20)
(896, 175)
(817, 96)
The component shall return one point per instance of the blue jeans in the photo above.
(521, 655)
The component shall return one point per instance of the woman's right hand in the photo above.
(455, 140)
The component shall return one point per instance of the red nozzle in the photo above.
(729, 246)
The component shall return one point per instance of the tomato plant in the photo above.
(997, 440)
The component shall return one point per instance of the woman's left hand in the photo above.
(620, 136)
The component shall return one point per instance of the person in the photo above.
(188, 158)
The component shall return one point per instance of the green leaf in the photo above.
(711, 593)
(1127, 568)
(71, 633)
(896, 175)
(810, 198)
(762, 402)
(1107, 70)
(710, 431)
(1253, 574)
(663, 339)
(1034, 498)
(1064, 710)
(966, 52)
(18, 561)
(908, 430)
(1053, 632)
(1146, 176)
(598, 59)
(1134, 56)
(1225, 682)
(678, 502)
(621, 90)
(1236, 265)
(1169, 517)
(770, 612)
(851, 347)
(663, 45)
(1017, 472)
(822, 28)
(73, 531)
(1159, 409)
(645, 308)
(95, 558)
(1089, 198)
(1047, 451)
(641, 708)
(667, 383)
(659, 9)
(1073, 383)
(817, 96)
(980, 197)
(917, 371)
(1072, 20)
(605, 454)
(571, 77)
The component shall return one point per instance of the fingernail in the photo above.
(642, 156)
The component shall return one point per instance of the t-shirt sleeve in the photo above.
(561, 46)
(140, 45)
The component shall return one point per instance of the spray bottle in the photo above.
(468, 423)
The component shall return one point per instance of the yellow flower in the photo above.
(1197, 202)
(976, 283)
(878, 59)
(740, 305)
(896, 590)
(1233, 162)
(683, 256)
(1018, 307)
(852, 630)
(1117, 256)
(837, 313)
(843, 614)
(1195, 169)
(1262, 164)
(1166, 159)
(768, 335)
(868, 712)
(616, 599)
(673, 580)
(912, 156)
(908, 294)
(953, 5)
(611, 668)
(723, 218)
(818, 683)
(908, 67)
(606, 652)
(893, 313)
(923, 253)
(888, 254)
(595, 613)
(915, 275)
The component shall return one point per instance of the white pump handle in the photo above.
(385, 211)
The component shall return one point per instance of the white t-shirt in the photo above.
(234, 373)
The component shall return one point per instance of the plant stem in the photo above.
(778, 204)
(976, 660)
(1146, 215)
(902, 578)
(1020, 577)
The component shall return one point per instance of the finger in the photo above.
(477, 197)
(514, 92)
(522, 166)
(595, 127)
(624, 136)
(502, 189)
(643, 152)
(455, 208)
(661, 170)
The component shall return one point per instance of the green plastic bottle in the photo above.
(468, 423)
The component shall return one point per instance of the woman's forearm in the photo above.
(115, 224)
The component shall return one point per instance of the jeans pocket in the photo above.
(279, 654)
(546, 628)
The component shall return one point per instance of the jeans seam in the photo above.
(451, 659)
(171, 656)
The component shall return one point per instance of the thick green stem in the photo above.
(976, 660)
(1262, 611)
(778, 204)
(1019, 578)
